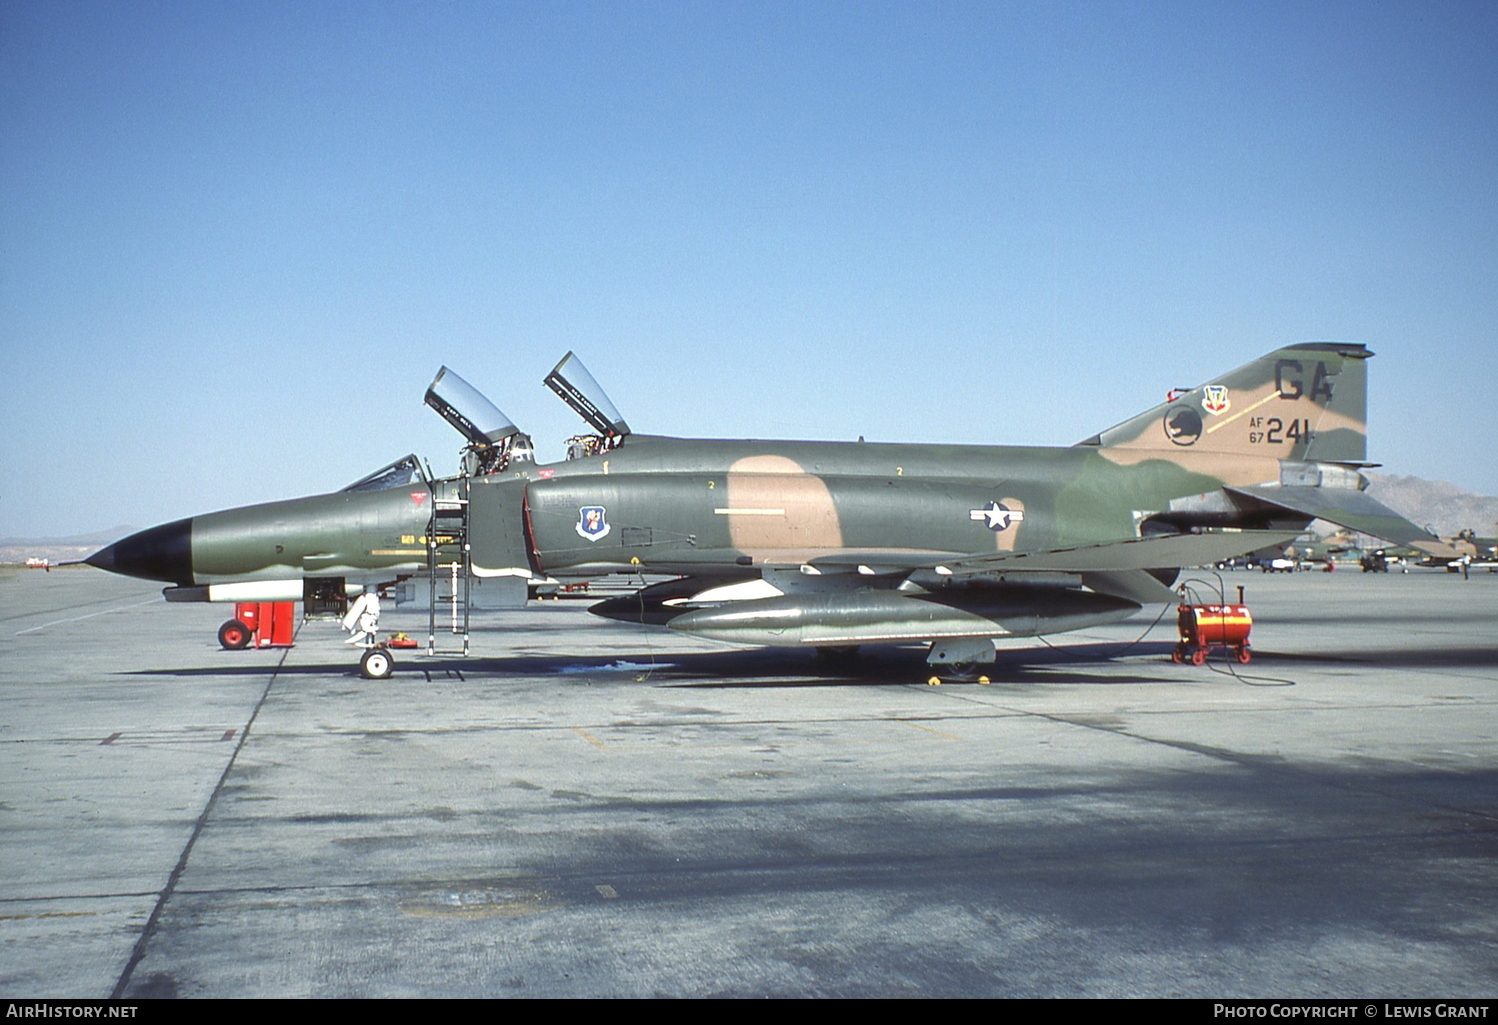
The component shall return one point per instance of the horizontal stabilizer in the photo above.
(1351, 509)
(1168, 550)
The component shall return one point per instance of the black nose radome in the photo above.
(160, 553)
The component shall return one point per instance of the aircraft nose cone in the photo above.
(160, 553)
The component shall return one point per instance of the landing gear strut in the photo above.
(961, 658)
(363, 622)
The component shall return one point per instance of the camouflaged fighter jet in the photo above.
(827, 545)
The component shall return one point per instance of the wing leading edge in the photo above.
(1140, 553)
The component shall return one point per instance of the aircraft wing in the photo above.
(1160, 551)
(1109, 557)
(1353, 510)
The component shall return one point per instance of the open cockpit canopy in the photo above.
(466, 408)
(494, 442)
(571, 380)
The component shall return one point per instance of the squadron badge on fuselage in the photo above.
(592, 522)
(1215, 399)
(996, 516)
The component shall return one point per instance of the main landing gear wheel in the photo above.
(234, 635)
(376, 664)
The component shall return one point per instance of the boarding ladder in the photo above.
(448, 574)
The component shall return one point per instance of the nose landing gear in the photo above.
(363, 622)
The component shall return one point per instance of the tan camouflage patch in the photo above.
(1262, 423)
(1006, 538)
(1231, 470)
(774, 506)
(1275, 406)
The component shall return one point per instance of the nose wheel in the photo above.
(376, 664)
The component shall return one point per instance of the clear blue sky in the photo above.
(237, 240)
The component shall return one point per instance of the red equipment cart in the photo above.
(1203, 627)
(262, 624)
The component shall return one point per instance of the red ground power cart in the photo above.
(1204, 627)
(262, 624)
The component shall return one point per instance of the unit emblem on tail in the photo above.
(1183, 425)
(1215, 399)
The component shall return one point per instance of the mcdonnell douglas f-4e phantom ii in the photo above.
(828, 545)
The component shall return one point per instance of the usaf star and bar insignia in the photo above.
(996, 516)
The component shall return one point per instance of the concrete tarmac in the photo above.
(587, 808)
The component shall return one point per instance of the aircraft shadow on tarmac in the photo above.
(1469, 657)
(1326, 820)
(770, 667)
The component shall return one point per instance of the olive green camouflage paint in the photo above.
(1266, 446)
(348, 533)
(667, 501)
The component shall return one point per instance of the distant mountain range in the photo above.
(98, 538)
(1444, 508)
(58, 549)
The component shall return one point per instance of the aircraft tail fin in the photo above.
(1302, 402)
